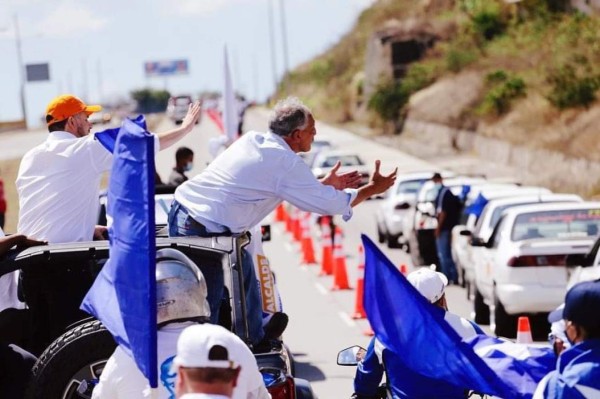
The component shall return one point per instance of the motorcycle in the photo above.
(353, 355)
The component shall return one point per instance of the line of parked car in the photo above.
(517, 248)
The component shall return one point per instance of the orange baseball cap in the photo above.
(65, 106)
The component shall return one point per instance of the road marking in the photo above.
(321, 289)
(346, 319)
(289, 247)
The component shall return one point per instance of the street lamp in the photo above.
(21, 69)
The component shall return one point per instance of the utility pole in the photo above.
(21, 69)
(284, 39)
(100, 83)
(84, 88)
(272, 42)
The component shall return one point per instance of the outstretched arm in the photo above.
(20, 240)
(379, 184)
(170, 137)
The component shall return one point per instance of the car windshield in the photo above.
(410, 186)
(557, 224)
(320, 144)
(179, 101)
(346, 160)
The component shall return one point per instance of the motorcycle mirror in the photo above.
(351, 356)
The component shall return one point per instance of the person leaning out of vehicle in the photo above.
(403, 383)
(577, 373)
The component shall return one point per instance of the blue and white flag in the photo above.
(123, 296)
(476, 208)
(407, 324)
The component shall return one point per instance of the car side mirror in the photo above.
(466, 233)
(402, 206)
(266, 232)
(351, 356)
(574, 260)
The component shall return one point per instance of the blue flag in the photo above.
(476, 208)
(123, 296)
(407, 324)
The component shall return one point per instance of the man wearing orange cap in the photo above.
(58, 185)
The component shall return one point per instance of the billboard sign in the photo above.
(37, 72)
(166, 68)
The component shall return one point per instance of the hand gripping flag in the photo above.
(411, 327)
(123, 296)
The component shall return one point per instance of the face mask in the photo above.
(188, 166)
(438, 185)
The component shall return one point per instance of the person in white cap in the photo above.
(181, 303)
(204, 362)
(409, 384)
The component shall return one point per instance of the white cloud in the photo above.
(70, 18)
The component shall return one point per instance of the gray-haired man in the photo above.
(247, 182)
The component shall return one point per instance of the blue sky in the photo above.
(96, 49)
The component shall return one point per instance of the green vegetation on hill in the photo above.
(533, 48)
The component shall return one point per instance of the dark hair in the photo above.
(56, 126)
(210, 375)
(436, 176)
(183, 153)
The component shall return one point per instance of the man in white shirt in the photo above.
(58, 185)
(247, 182)
(181, 305)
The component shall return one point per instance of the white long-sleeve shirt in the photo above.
(249, 179)
(121, 379)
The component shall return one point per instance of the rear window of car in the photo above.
(346, 160)
(410, 186)
(557, 224)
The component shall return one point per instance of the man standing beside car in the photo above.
(447, 210)
(247, 182)
(58, 185)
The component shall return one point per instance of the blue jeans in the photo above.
(444, 253)
(182, 224)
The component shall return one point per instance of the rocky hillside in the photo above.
(528, 73)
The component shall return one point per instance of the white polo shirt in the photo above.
(59, 185)
(247, 182)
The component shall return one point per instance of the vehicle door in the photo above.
(484, 266)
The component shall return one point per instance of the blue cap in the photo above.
(582, 305)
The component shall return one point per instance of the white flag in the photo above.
(230, 110)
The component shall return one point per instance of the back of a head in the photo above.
(180, 289)
(437, 177)
(582, 307)
(288, 115)
(429, 283)
(183, 153)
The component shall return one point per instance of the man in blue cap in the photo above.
(577, 373)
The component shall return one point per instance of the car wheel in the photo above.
(506, 324)
(392, 241)
(482, 311)
(78, 355)
(380, 236)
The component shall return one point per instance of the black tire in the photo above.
(79, 354)
(506, 325)
(392, 241)
(380, 236)
(482, 311)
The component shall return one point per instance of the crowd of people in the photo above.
(58, 185)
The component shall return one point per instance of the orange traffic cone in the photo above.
(359, 310)
(326, 249)
(280, 213)
(289, 222)
(340, 276)
(403, 269)
(297, 228)
(308, 251)
(524, 331)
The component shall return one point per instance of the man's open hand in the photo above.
(381, 183)
(340, 182)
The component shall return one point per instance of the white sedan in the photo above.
(326, 160)
(522, 269)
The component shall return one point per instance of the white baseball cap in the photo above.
(429, 283)
(205, 345)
